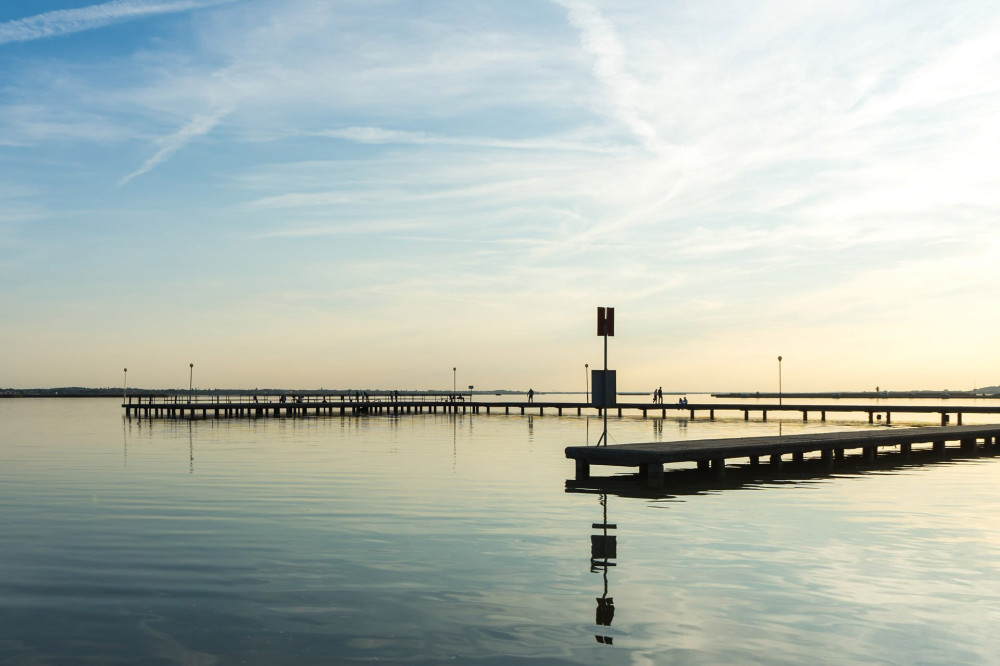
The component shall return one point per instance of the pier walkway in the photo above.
(711, 454)
(185, 406)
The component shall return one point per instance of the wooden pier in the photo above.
(185, 406)
(712, 454)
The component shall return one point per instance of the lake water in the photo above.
(432, 538)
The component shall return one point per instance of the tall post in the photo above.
(605, 435)
(779, 380)
(191, 385)
(125, 387)
(605, 328)
(586, 380)
(454, 384)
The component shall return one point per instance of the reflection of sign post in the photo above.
(604, 547)
(604, 381)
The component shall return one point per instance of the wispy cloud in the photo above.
(198, 126)
(600, 39)
(68, 21)
(379, 135)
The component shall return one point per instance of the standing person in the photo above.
(659, 395)
(654, 396)
(531, 395)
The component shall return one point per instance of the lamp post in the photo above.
(779, 380)
(586, 379)
(191, 383)
(454, 384)
(125, 386)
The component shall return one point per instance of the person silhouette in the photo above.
(531, 395)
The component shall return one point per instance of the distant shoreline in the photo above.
(870, 395)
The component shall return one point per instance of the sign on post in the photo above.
(606, 322)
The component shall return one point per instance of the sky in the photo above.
(370, 193)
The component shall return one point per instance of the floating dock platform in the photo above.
(712, 454)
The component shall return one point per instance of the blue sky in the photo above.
(307, 193)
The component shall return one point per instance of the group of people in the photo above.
(658, 397)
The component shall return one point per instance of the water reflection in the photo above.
(603, 549)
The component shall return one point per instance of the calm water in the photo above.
(430, 539)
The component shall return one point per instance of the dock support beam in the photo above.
(827, 457)
(905, 449)
(939, 447)
(719, 467)
(582, 469)
(776, 460)
(653, 474)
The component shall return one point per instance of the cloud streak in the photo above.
(200, 125)
(69, 21)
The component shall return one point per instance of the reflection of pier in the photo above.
(396, 403)
(711, 454)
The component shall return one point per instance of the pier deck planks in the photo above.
(649, 456)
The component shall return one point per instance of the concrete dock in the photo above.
(712, 454)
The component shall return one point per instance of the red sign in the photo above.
(606, 321)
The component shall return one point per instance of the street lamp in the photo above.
(586, 379)
(779, 380)
(125, 386)
(191, 384)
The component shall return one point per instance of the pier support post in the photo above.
(776, 460)
(838, 454)
(703, 465)
(822, 416)
(798, 457)
(871, 417)
(869, 453)
(944, 419)
(719, 467)
(905, 449)
(653, 474)
(764, 415)
(939, 447)
(582, 469)
(692, 414)
(888, 418)
(827, 457)
(805, 416)
(711, 415)
(754, 461)
(746, 415)
(960, 418)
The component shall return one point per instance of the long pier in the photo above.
(187, 406)
(712, 454)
